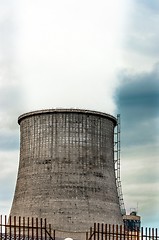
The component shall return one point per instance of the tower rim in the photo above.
(67, 110)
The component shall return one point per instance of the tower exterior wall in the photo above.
(66, 169)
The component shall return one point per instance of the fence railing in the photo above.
(116, 232)
(21, 228)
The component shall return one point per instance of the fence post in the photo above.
(94, 231)
(37, 228)
(142, 233)
(98, 231)
(86, 235)
(156, 234)
(124, 232)
(41, 230)
(24, 227)
(54, 234)
(113, 230)
(5, 222)
(109, 231)
(45, 228)
(138, 234)
(91, 232)
(105, 231)
(102, 231)
(49, 231)
(149, 233)
(116, 232)
(19, 226)
(28, 223)
(121, 232)
(10, 228)
(1, 226)
(32, 228)
(15, 229)
(152, 233)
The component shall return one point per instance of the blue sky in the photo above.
(99, 55)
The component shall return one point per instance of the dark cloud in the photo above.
(137, 100)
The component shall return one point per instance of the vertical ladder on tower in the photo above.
(117, 165)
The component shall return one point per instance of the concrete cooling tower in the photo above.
(66, 169)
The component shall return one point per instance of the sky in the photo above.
(97, 55)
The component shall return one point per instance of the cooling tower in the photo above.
(66, 170)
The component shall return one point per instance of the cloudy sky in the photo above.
(98, 55)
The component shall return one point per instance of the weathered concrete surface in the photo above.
(66, 170)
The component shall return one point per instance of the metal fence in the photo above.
(20, 228)
(116, 232)
(25, 228)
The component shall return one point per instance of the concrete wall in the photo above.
(66, 170)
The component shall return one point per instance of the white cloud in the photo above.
(67, 54)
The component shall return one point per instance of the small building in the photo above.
(132, 222)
